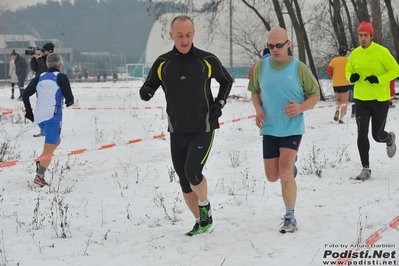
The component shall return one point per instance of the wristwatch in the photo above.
(222, 103)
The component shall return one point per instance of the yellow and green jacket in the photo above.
(374, 60)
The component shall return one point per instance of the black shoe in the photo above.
(39, 135)
(341, 122)
(12, 96)
(294, 171)
(195, 231)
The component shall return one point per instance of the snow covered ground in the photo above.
(122, 205)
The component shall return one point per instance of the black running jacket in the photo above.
(186, 82)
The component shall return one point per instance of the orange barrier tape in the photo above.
(114, 108)
(5, 109)
(102, 147)
(372, 239)
(10, 111)
(104, 87)
(43, 157)
(76, 152)
(94, 108)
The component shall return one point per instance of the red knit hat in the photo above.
(366, 27)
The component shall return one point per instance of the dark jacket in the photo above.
(20, 66)
(186, 82)
(39, 65)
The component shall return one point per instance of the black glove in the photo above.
(29, 115)
(146, 93)
(216, 110)
(372, 79)
(354, 77)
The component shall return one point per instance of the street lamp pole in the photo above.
(4, 56)
(231, 40)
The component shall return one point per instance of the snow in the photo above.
(123, 205)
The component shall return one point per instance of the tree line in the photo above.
(318, 34)
(115, 26)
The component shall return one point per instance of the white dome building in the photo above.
(159, 42)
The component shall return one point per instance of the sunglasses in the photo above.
(277, 45)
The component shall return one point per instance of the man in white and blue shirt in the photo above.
(51, 88)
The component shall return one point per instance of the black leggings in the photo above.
(189, 154)
(378, 112)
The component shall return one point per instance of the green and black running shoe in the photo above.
(195, 231)
(205, 217)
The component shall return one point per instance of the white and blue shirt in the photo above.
(50, 87)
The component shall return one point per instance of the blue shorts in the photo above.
(272, 145)
(52, 131)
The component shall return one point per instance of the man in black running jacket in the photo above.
(185, 75)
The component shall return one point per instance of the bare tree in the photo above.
(394, 26)
(353, 36)
(307, 44)
(377, 20)
(361, 10)
(337, 22)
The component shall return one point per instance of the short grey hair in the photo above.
(181, 18)
(54, 60)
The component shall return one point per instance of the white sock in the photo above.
(205, 203)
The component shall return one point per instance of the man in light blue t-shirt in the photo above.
(278, 87)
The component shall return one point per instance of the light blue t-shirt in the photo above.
(277, 87)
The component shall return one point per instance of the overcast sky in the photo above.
(14, 4)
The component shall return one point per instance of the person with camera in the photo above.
(38, 64)
(38, 61)
(51, 87)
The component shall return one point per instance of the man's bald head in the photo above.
(278, 43)
(278, 33)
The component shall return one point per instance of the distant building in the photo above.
(20, 43)
(159, 42)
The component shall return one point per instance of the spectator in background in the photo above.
(69, 72)
(352, 100)
(371, 67)
(351, 92)
(38, 61)
(266, 54)
(50, 88)
(85, 73)
(13, 75)
(392, 92)
(39, 66)
(336, 70)
(21, 71)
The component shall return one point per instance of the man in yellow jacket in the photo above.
(371, 67)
